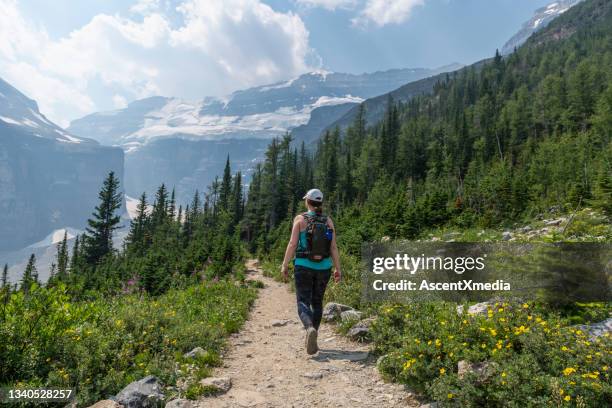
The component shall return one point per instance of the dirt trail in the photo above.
(269, 367)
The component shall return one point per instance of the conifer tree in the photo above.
(225, 189)
(30, 275)
(136, 237)
(62, 258)
(99, 237)
(4, 281)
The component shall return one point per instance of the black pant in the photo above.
(310, 285)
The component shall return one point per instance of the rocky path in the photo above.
(268, 366)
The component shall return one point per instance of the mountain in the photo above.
(240, 125)
(541, 18)
(49, 178)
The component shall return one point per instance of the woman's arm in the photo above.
(291, 246)
(334, 253)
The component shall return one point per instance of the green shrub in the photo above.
(98, 347)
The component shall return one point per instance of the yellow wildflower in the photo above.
(442, 371)
(567, 398)
(568, 371)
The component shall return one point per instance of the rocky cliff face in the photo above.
(49, 179)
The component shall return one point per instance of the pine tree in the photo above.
(4, 281)
(159, 214)
(136, 237)
(62, 258)
(30, 275)
(99, 237)
(74, 260)
(237, 198)
(225, 190)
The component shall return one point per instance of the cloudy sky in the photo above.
(76, 57)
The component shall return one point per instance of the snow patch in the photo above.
(9, 120)
(56, 237)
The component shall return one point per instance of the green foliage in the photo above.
(533, 357)
(100, 346)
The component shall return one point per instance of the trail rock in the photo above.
(483, 370)
(143, 393)
(506, 235)
(332, 311)
(223, 384)
(279, 323)
(180, 403)
(361, 329)
(596, 330)
(194, 353)
(350, 315)
(106, 404)
(314, 375)
(429, 405)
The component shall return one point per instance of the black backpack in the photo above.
(318, 238)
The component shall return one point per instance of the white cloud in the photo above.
(119, 101)
(217, 46)
(383, 12)
(328, 4)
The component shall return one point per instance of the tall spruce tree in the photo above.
(225, 190)
(4, 281)
(30, 275)
(62, 258)
(98, 240)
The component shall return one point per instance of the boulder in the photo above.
(361, 329)
(506, 235)
(143, 393)
(195, 352)
(595, 330)
(180, 403)
(222, 384)
(350, 315)
(480, 308)
(483, 370)
(332, 311)
(106, 404)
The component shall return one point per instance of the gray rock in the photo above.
(180, 403)
(361, 329)
(460, 309)
(479, 308)
(195, 352)
(222, 384)
(429, 405)
(314, 375)
(143, 393)
(279, 323)
(525, 229)
(332, 311)
(554, 223)
(595, 330)
(106, 404)
(483, 370)
(380, 360)
(506, 235)
(349, 315)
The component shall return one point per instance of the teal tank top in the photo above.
(326, 263)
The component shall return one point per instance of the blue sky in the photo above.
(76, 57)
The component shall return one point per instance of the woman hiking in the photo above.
(313, 242)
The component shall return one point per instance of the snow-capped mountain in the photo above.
(49, 178)
(185, 144)
(17, 110)
(541, 18)
(260, 112)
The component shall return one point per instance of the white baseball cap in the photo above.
(314, 195)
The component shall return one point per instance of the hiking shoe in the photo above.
(311, 341)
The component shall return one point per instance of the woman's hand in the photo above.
(285, 272)
(337, 275)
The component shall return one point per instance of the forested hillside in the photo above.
(489, 146)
